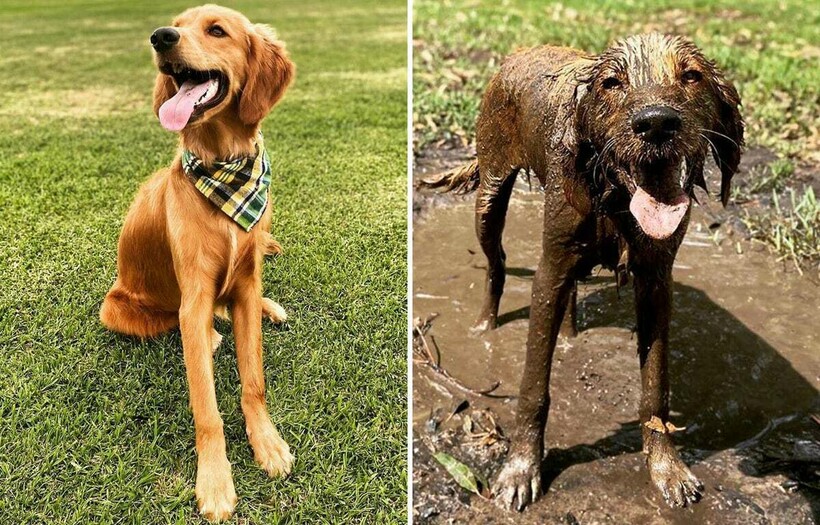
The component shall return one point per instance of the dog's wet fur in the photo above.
(601, 133)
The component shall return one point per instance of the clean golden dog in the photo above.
(180, 258)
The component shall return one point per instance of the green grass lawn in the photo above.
(94, 427)
(769, 49)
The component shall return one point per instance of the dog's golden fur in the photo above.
(180, 259)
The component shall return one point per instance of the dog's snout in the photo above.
(656, 123)
(164, 38)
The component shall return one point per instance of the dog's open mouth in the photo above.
(197, 92)
(658, 213)
(658, 218)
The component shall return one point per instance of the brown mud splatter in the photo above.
(745, 370)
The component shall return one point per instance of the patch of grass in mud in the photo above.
(771, 177)
(768, 49)
(793, 229)
(778, 205)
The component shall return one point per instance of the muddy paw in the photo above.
(484, 324)
(676, 482)
(271, 451)
(568, 331)
(214, 491)
(518, 484)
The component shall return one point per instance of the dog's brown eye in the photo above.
(691, 76)
(611, 83)
(216, 31)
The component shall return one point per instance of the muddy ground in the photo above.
(745, 371)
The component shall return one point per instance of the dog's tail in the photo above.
(461, 180)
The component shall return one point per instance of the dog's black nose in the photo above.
(164, 39)
(656, 123)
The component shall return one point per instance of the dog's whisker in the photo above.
(730, 139)
(713, 148)
(609, 144)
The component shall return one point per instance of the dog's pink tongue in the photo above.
(174, 114)
(657, 219)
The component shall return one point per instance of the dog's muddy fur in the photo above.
(606, 136)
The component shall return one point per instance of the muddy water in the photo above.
(745, 370)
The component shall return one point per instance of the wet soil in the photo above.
(745, 370)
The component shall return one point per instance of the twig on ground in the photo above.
(489, 432)
(425, 356)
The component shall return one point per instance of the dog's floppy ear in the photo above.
(269, 73)
(571, 89)
(726, 132)
(572, 85)
(164, 89)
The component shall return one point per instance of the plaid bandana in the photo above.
(238, 187)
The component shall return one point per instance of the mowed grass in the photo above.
(94, 427)
(769, 49)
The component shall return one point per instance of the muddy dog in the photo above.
(193, 240)
(618, 141)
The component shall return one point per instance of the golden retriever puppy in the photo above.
(193, 240)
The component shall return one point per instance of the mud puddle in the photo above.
(745, 370)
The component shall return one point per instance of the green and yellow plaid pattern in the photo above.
(238, 187)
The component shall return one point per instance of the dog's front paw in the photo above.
(519, 482)
(270, 450)
(215, 494)
(673, 478)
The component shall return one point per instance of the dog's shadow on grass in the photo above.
(731, 388)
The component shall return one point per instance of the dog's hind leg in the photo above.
(270, 309)
(273, 311)
(271, 245)
(490, 215)
(216, 340)
(123, 313)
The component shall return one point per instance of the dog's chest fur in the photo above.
(609, 237)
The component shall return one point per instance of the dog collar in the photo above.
(238, 187)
